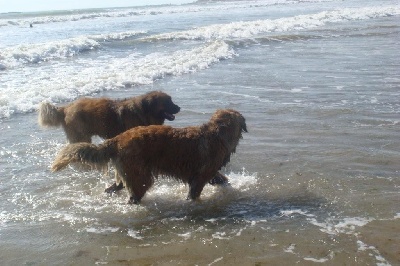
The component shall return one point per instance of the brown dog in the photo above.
(192, 154)
(107, 118)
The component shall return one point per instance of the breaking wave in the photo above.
(240, 30)
(36, 53)
(65, 16)
(133, 70)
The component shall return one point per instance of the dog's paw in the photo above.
(114, 188)
(219, 179)
(133, 200)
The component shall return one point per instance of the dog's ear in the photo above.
(148, 104)
(145, 105)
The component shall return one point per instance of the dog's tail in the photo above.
(50, 115)
(85, 153)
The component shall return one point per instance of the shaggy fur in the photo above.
(107, 118)
(192, 154)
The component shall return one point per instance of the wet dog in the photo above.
(87, 117)
(192, 155)
(107, 118)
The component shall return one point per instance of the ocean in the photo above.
(316, 180)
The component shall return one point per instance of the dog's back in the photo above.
(87, 117)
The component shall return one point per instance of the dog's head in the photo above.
(230, 119)
(230, 125)
(159, 106)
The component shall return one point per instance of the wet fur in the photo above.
(87, 117)
(192, 155)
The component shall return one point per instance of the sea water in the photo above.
(316, 179)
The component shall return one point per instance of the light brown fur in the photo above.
(87, 117)
(192, 154)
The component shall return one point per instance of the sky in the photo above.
(46, 5)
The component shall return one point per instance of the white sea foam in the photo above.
(140, 11)
(346, 226)
(186, 236)
(116, 36)
(321, 260)
(102, 230)
(243, 180)
(216, 260)
(220, 235)
(36, 214)
(290, 249)
(292, 212)
(362, 246)
(373, 251)
(118, 73)
(35, 53)
(249, 29)
(134, 234)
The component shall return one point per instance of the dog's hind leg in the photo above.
(195, 188)
(74, 136)
(137, 186)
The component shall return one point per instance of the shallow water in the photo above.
(316, 179)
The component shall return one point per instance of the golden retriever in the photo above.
(87, 117)
(191, 154)
(107, 118)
